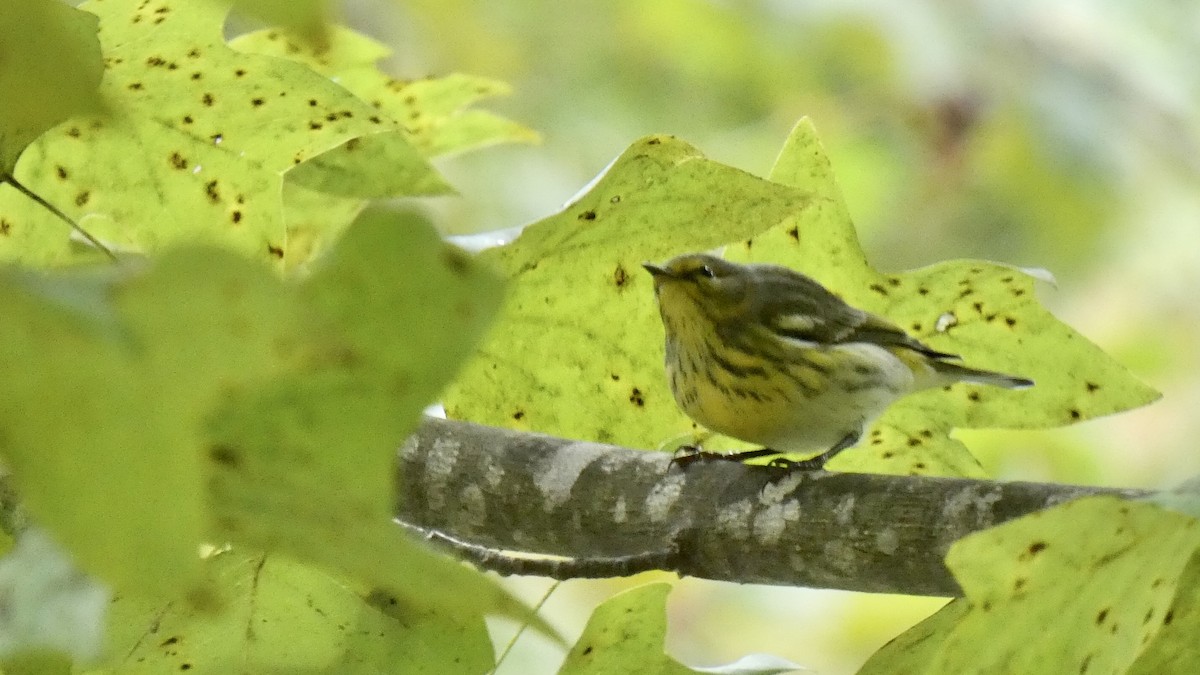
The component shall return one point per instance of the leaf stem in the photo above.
(11, 180)
(521, 629)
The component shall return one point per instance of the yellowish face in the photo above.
(690, 282)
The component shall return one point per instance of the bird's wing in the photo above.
(798, 308)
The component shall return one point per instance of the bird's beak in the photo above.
(655, 271)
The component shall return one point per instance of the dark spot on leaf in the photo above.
(256, 102)
(456, 261)
(1168, 617)
(888, 455)
(794, 233)
(965, 292)
(1010, 321)
(587, 215)
(923, 291)
(986, 606)
(216, 138)
(927, 433)
(197, 75)
(5, 226)
(353, 144)
(169, 641)
(314, 125)
(224, 455)
(61, 172)
(653, 141)
(275, 251)
(978, 307)
(913, 442)
(519, 415)
(920, 466)
(236, 216)
(1019, 584)
(73, 132)
(587, 650)
(1074, 413)
(155, 61)
(82, 198)
(1007, 280)
(178, 161)
(620, 277)
(239, 72)
(210, 189)
(207, 99)
(135, 86)
(331, 117)
(185, 666)
(1149, 615)
(1018, 292)
(1091, 386)
(312, 102)
(635, 397)
(615, 377)
(374, 119)
(876, 441)
(990, 318)
(893, 282)
(187, 119)
(1037, 547)
(878, 289)
(1083, 667)
(973, 396)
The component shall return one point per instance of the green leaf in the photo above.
(1174, 648)
(433, 112)
(353, 169)
(913, 650)
(307, 18)
(625, 635)
(314, 222)
(987, 313)
(197, 145)
(83, 423)
(577, 349)
(1025, 609)
(305, 463)
(282, 617)
(50, 67)
(238, 407)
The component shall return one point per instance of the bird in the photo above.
(767, 355)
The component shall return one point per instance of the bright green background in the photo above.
(1039, 138)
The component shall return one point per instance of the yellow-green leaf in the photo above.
(577, 349)
(985, 312)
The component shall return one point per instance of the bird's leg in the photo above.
(690, 454)
(817, 463)
(686, 455)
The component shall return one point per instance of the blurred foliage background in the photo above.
(1057, 135)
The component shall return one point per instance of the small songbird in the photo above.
(767, 355)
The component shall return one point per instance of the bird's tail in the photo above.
(952, 372)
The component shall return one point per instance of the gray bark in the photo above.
(609, 511)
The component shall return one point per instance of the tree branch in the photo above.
(609, 511)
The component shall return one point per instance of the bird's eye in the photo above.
(707, 271)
